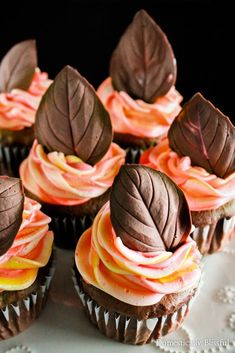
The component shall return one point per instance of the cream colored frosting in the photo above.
(66, 180)
(204, 191)
(136, 278)
(137, 117)
(30, 250)
(18, 107)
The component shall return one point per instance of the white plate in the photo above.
(63, 327)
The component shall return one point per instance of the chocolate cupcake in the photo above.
(137, 269)
(73, 161)
(199, 156)
(140, 93)
(21, 88)
(25, 259)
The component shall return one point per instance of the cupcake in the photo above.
(21, 88)
(140, 93)
(73, 161)
(137, 269)
(25, 258)
(198, 155)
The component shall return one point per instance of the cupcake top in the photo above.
(198, 154)
(138, 248)
(21, 86)
(73, 158)
(140, 93)
(25, 242)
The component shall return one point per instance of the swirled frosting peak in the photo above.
(134, 277)
(203, 190)
(136, 117)
(18, 107)
(62, 179)
(30, 250)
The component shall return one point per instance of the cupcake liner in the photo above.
(213, 237)
(11, 157)
(16, 317)
(133, 154)
(68, 229)
(127, 329)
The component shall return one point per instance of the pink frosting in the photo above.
(67, 180)
(204, 191)
(18, 107)
(136, 278)
(137, 117)
(30, 250)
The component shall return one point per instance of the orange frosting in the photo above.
(30, 250)
(137, 117)
(66, 180)
(204, 191)
(18, 107)
(136, 278)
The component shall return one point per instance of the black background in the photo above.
(84, 34)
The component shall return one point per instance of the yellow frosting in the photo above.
(30, 250)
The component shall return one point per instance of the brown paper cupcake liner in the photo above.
(133, 154)
(10, 159)
(215, 236)
(18, 316)
(127, 329)
(68, 229)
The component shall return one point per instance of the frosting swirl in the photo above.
(30, 250)
(18, 108)
(67, 180)
(137, 117)
(204, 191)
(134, 277)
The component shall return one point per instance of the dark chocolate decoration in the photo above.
(11, 209)
(206, 135)
(18, 66)
(143, 63)
(148, 211)
(71, 118)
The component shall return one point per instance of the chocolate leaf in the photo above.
(18, 66)
(71, 118)
(206, 135)
(11, 209)
(148, 211)
(143, 63)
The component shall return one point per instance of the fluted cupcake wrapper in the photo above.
(16, 317)
(133, 154)
(68, 229)
(127, 329)
(10, 159)
(215, 236)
